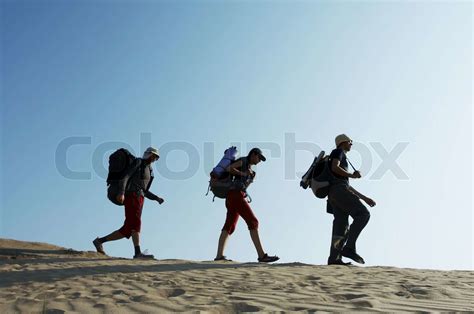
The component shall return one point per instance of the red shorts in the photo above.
(133, 214)
(237, 206)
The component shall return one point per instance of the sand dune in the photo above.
(37, 277)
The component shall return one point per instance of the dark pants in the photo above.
(343, 203)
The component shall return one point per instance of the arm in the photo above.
(366, 199)
(337, 169)
(153, 197)
(123, 183)
(359, 195)
(232, 169)
(149, 195)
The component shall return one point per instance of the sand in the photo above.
(38, 277)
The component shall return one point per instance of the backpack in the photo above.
(221, 181)
(319, 176)
(119, 163)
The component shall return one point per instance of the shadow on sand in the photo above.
(54, 274)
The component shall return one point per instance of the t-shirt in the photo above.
(244, 168)
(242, 183)
(138, 178)
(338, 153)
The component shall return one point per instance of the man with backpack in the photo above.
(344, 201)
(237, 205)
(129, 187)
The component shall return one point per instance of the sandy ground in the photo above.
(38, 277)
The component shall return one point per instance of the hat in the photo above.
(257, 151)
(341, 138)
(150, 151)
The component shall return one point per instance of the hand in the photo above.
(356, 175)
(251, 174)
(370, 201)
(160, 200)
(121, 198)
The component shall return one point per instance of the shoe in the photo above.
(98, 246)
(339, 262)
(351, 253)
(268, 259)
(143, 256)
(222, 258)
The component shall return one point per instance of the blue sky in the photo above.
(199, 74)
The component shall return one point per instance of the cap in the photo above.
(257, 151)
(341, 138)
(150, 151)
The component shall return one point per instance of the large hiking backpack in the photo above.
(319, 176)
(222, 182)
(119, 163)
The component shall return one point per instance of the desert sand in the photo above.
(38, 277)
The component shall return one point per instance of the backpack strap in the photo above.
(350, 163)
(248, 197)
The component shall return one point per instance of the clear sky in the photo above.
(193, 77)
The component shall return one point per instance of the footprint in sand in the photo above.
(352, 296)
(140, 298)
(244, 307)
(363, 304)
(170, 293)
(117, 292)
(99, 306)
(75, 295)
(54, 311)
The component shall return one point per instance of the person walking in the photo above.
(132, 189)
(237, 205)
(344, 201)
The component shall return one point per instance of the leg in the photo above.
(133, 222)
(256, 241)
(351, 204)
(222, 243)
(116, 235)
(244, 209)
(361, 217)
(229, 226)
(339, 230)
(136, 238)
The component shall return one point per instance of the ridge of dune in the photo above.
(40, 277)
(16, 244)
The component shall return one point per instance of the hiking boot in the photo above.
(351, 253)
(222, 258)
(268, 259)
(338, 262)
(98, 246)
(143, 256)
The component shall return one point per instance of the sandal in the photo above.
(222, 258)
(268, 259)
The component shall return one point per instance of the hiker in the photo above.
(237, 205)
(132, 189)
(344, 201)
